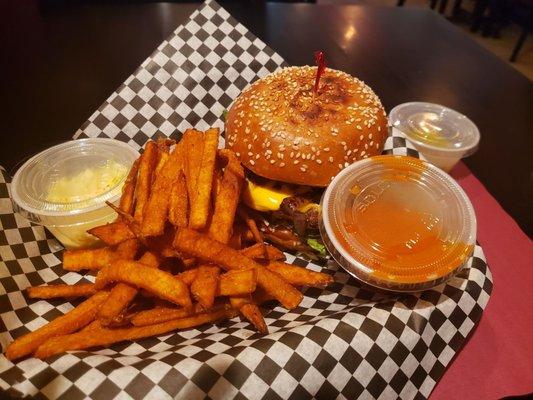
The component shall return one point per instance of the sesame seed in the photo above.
(326, 149)
(330, 159)
(272, 161)
(295, 162)
(370, 136)
(250, 154)
(318, 161)
(252, 162)
(282, 164)
(361, 137)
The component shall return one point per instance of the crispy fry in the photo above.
(128, 190)
(163, 314)
(200, 207)
(147, 165)
(105, 337)
(70, 322)
(226, 200)
(162, 158)
(122, 294)
(250, 311)
(188, 276)
(156, 209)
(194, 145)
(237, 282)
(201, 246)
(76, 260)
(250, 223)
(61, 290)
(155, 281)
(256, 252)
(113, 233)
(300, 276)
(179, 203)
(204, 286)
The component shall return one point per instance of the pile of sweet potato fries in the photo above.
(180, 254)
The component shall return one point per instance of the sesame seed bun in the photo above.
(282, 130)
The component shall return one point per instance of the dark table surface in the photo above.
(60, 63)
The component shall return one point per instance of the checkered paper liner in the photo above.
(347, 341)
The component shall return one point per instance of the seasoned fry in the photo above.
(229, 192)
(250, 222)
(76, 260)
(61, 290)
(155, 281)
(163, 244)
(188, 276)
(204, 286)
(128, 190)
(250, 311)
(200, 207)
(113, 233)
(144, 180)
(256, 252)
(179, 203)
(237, 282)
(122, 294)
(300, 276)
(163, 314)
(105, 337)
(209, 250)
(70, 322)
(156, 209)
(194, 145)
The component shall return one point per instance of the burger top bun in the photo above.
(282, 130)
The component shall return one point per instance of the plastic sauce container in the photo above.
(442, 135)
(397, 223)
(66, 186)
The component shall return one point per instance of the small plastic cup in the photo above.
(65, 187)
(397, 223)
(443, 136)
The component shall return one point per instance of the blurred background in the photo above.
(501, 26)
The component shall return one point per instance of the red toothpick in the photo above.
(320, 61)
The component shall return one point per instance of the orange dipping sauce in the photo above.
(398, 224)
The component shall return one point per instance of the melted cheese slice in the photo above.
(265, 197)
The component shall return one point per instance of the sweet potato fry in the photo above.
(226, 200)
(61, 290)
(200, 207)
(163, 314)
(300, 276)
(194, 146)
(204, 286)
(68, 323)
(209, 250)
(237, 282)
(250, 223)
(122, 295)
(128, 190)
(113, 233)
(147, 165)
(250, 311)
(156, 209)
(179, 203)
(163, 244)
(256, 252)
(188, 276)
(79, 259)
(105, 337)
(160, 283)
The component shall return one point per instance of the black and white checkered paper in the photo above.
(344, 342)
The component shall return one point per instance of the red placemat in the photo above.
(498, 359)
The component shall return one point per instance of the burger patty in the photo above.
(289, 227)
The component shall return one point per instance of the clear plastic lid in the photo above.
(397, 223)
(435, 128)
(71, 178)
